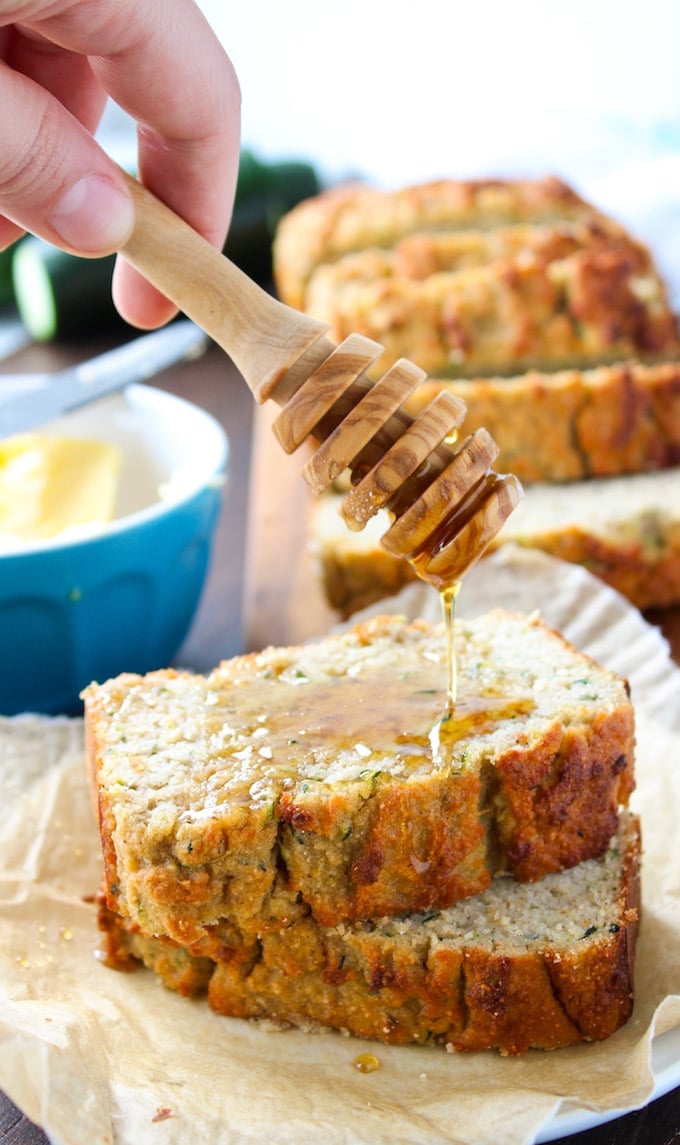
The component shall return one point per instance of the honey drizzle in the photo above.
(448, 581)
(442, 562)
(448, 597)
(471, 714)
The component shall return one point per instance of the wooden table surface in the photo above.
(261, 589)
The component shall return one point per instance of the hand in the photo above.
(161, 62)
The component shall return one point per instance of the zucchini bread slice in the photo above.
(322, 779)
(475, 276)
(591, 307)
(356, 217)
(519, 966)
(625, 530)
(569, 425)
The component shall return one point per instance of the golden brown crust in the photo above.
(590, 307)
(491, 276)
(574, 424)
(429, 981)
(353, 217)
(423, 254)
(471, 280)
(404, 829)
(350, 584)
(625, 530)
(426, 253)
(123, 946)
(437, 817)
(647, 574)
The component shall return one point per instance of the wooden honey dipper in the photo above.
(447, 504)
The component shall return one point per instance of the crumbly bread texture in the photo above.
(553, 326)
(520, 966)
(356, 217)
(574, 424)
(322, 781)
(431, 252)
(475, 277)
(590, 307)
(624, 530)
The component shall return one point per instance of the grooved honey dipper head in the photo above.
(447, 505)
(464, 535)
(447, 502)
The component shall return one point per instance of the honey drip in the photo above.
(447, 554)
(473, 715)
(438, 736)
(462, 718)
(448, 597)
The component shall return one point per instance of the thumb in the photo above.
(94, 215)
(55, 181)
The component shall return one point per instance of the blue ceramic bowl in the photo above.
(122, 599)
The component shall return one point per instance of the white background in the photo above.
(396, 92)
(401, 88)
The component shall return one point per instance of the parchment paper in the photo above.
(97, 1056)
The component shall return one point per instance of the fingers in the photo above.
(136, 300)
(65, 75)
(54, 179)
(70, 80)
(168, 70)
(161, 62)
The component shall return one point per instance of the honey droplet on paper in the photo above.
(366, 1063)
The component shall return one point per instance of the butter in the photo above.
(55, 487)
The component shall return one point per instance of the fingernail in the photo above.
(94, 216)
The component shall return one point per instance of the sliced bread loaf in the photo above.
(625, 530)
(519, 966)
(322, 779)
(481, 277)
(424, 253)
(592, 306)
(574, 424)
(356, 217)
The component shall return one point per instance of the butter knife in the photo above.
(28, 400)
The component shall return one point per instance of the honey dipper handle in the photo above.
(262, 336)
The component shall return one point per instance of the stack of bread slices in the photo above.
(308, 836)
(554, 326)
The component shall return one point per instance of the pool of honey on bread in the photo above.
(394, 719)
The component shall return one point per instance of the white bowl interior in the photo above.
(170, 448)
